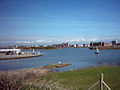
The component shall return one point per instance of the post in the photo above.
(101, 81)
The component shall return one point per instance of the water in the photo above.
(79, 57)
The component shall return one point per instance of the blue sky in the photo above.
(59, 20)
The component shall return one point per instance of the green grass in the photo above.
(80, 79)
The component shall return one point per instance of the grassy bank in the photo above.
(15, 79)
(80, 79)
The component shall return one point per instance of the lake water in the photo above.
(79, 57)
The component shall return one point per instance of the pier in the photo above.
(3, 56)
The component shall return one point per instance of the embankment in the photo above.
(25, 55)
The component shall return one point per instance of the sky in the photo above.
(43, 21)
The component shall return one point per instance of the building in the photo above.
(92, 44)
(114, 42)
(61, 45)
(86, 45)
(106, 44)
(74, 45)
(78, 45)
(10, 51)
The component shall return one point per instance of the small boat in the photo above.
(97, 51)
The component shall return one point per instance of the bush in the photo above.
(12, 82)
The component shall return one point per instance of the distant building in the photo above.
(99, 44)
(78, 45)
(95, 44)
(86, 45)
(61, 45)
(81, 45)
(118, 44)
(114, 42)
(75, 45)
(106, 44)
(10, 51)
(44, 45)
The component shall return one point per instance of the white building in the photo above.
(16, 51)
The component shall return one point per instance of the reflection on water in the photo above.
(79, 57)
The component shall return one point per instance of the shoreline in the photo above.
(99, 47)
(26, 55)
(35, 70)
(42, 78)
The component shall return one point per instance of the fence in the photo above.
(101, 82)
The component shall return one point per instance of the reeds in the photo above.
(13, 80)
(10, 82)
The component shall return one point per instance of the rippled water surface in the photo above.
(79, 57)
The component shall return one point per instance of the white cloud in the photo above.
(43, 41)
(60, 40)
(24, 42)
(39, 41)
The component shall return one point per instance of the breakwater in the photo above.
(3, 56)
